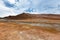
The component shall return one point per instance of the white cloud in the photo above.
(39, 6)
(12, 1)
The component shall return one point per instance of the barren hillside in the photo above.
(34, 16)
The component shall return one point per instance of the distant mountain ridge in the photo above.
(34, 16)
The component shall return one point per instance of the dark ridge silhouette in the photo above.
(34, 16)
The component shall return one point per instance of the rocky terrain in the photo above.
(30, 27)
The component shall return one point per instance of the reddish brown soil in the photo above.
(13, 31)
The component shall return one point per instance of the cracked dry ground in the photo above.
(13, 31)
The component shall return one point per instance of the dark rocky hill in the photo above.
(34, 16)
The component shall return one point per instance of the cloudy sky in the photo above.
(14, 7)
